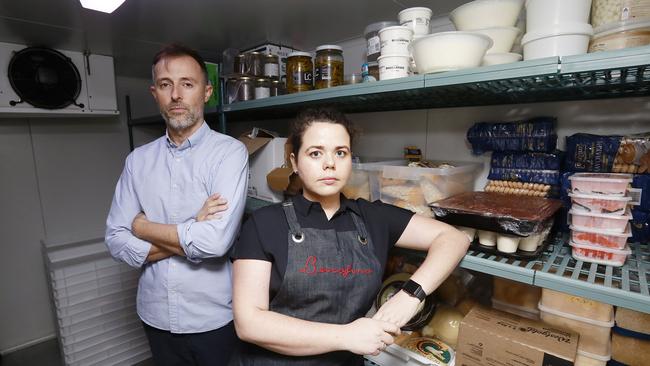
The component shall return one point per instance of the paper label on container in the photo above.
(262, 92)
(271, 70)
(374, 45)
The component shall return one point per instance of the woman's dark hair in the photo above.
(311, 115)
(177, 50)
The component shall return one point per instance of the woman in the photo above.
(306, 271)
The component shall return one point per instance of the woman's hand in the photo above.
(367, 336)
(212, 208)
(399, 309)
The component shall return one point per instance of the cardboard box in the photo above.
(266, 152)
(491, 337)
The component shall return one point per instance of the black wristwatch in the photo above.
(414, 289)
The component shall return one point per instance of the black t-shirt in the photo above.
(264, 234)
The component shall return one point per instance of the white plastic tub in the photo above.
(500, 58)
(487, 238)
(542, 14)
(612, 184)
(601, 238)
(602, 204)
(621, 35)
(480, 14)
(600, 255)
(449, 51)
(417, 19)
(503, 38)
(562, 40)
(507, 243)
(393, 66)
(395, 40)
(373, 44)
(612, 223)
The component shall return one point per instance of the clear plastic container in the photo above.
(415, 188)
(610, 11)
(515, 293)
(599, 203)
(576, 305)
(516, 310)
(364, 179)
(600, 238)
(589, 359)
(600, 183)
(594, 335)
(600, 255)
(613, 223)
(620, 35)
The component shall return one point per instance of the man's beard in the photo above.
(180, 122)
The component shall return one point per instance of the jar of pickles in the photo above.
(328, 66)
(300, 72)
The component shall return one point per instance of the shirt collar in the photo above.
(304, 206)
(191, 141)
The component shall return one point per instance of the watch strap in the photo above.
(414, 289)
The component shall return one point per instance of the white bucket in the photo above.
(393, 66)
(543, 15)
(563, 40)
(417, 19)
(395, 40)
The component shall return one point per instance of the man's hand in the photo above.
(212, 208)
(139, 220)
(157, 253)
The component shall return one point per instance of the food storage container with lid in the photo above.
(597, 237)
(300, 72)
(608, 222)
(576, 305)
(328, 66)
(600, 255)
(600, 183)
(395, 40)
(595, 203)
(373, 43)
(393, 66)
(417, 19)
(611, 11)
(561, 40)
(620, 35)
(542, 15)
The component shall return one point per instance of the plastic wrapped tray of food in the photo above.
(608, 222)
(414, 186)
(611, 184)
(600, 255)
(497, 212)
(601, 238)
(599, 203)
(512, 246)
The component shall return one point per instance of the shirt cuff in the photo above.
(185, 240)
(136, 252)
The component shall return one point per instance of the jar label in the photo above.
(323, 73)
(302, 78)
(262, 92)
(374, 45)
(271, 70)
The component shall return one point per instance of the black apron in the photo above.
(331, 277)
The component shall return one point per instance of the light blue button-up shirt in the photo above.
(170, 184)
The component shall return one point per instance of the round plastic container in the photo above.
(563, 40)
(449, 51)
(611, 11)
(600, 238)
(500, 58)
(611, 223)
(600, 255)
(542, 15)
(373, 43)
(507, 243)
(600, 183)
(620, 35)
(480, 14)
(487, 238)
(602, 204)
(395, 40)
(503, 38)
(417, 19)
(393, 66)
(594, 335)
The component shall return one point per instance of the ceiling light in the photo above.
(106, 6)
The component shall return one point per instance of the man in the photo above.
(169, 217)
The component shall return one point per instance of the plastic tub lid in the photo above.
(557, 312)
(626, 234)
(559, 30)
(617, 27)
(594, 356)
(329, 47)
(419, 8)
(375, 27)
(624, 251)
(601, 197)
(299, 53)
(627, 216)
(602, 177)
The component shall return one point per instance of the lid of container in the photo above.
(625, 217)
(254, 53)
(624, 251)
(562, 29)
(299, 53)
(245, 78)
(415, 41)
(617, 27)
(594, 356)
(602, 177)
(270, 55)
(600, 197)
(262, 79)
(593, 230)
(561, 313)
(375, 27)
(275, 81)
(329, 47)
(394, 27)
(418, 8)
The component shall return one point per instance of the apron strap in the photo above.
(294, 227)
(362, 234)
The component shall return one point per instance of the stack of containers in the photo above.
(395, 60)
(599, 217)
(370, 69)
(556, 28)
(592, 319)
(495, 19)
(619, 24)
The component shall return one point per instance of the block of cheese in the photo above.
(630, 351)
(516, 293)
(633, 320)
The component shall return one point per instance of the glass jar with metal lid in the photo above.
(262, 88)
(271, 66)
(245, 88)
(277, 88)
(300, 72)
(255, 64)
(328, 66)
(239, 66)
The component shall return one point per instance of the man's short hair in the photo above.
(176, 50)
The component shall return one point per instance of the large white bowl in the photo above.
(503, 37)
(480, 14)
(563, 40)
(542, 15)
(449, 51)
(500, 58)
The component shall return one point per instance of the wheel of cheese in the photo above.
(435, 350)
